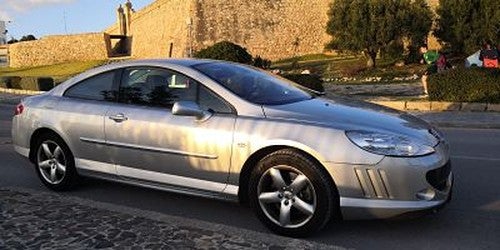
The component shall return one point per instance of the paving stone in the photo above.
(70, 224)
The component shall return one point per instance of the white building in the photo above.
(3, 33)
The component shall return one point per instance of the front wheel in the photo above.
(54, 163)
(291, 194)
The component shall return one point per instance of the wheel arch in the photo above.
(36, 134)
(254, 158)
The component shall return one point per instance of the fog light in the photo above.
(426, 194)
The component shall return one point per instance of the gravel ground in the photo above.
(41, 220)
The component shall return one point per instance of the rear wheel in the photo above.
(54, 163)
(291, 194)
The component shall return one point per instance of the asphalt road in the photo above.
(470, 221)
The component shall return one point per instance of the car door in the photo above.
(82, 109)
(149, 143)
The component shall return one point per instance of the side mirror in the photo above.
(189, 108)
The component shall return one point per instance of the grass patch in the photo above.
(56, 71)
(316, 66)
(313, 57)
(390, 71)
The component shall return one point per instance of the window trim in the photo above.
(114, 86)
(121, 79)
(231, 107)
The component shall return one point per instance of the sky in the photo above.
(52, 17)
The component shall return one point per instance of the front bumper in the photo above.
(394, 186)
(362, 208)
(22, 151)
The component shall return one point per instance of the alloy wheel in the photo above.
(51, 162)
(286, 196)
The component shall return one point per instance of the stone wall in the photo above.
(273, 29)
(58, 49)
(158, 25)
(270, 28)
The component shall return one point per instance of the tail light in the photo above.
(19, 109)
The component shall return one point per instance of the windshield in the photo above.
(255, 86)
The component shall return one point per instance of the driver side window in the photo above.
(157, 87)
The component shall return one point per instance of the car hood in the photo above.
(348, 114)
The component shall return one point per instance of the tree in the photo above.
(372, 26)
(12, 41)
(418, 23)
(464, 26)
(228, 51)
(23, 39)
(27, 38)
(261, 62)
(225, 51)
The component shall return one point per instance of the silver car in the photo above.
(229, 131)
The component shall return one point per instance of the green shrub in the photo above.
(313, 82)
(10, 82)
(466, 85)
(226, 51)
(261, 63)
(27, 83)
(45, 83)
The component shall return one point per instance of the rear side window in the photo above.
(98, 88)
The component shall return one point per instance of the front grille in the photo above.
(438, 177)
(436, 134)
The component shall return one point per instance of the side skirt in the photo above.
(159, 186)
(159, 181)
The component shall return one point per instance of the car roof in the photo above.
(113, 65)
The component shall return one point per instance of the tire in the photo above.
(54, 163)
(291, 194)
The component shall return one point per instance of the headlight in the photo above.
(388, 144)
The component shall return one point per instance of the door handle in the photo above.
(118, 117)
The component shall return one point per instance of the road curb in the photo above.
(20, 91)
(439, 106)
(464, 125)
(268, 238)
